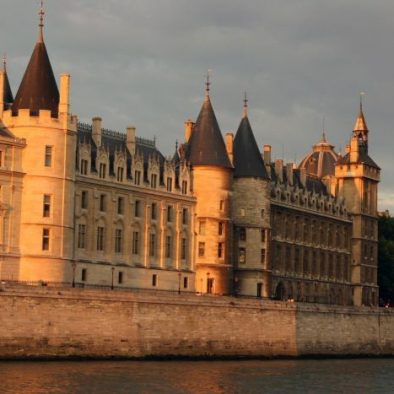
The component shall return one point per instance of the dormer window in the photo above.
(169, 184)
(102, 170)
(84, 166)
(153, 181)
(137, 177)
(184, 187)
(119, 175)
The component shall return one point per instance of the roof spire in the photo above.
(5, 62)
(323, 136)
(41, 14)
(245, 110)
(360, 124)
(207, 84)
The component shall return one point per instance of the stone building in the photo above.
(83, 205)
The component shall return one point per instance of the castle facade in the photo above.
(84, 205)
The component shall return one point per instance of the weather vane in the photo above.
(361, 100)
(208, 82)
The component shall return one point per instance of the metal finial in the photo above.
(245, 111)
(207, 83)
(5, 62)
(323, 136)
(176, 145)
(361, 100)
(41, 14)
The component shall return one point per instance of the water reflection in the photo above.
(217, 377)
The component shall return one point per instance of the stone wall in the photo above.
(49, 322)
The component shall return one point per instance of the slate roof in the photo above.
(363, 158)
(38, 89)
(206, 145)
(247, 157)
(8, 97)
(114, 141)
(320, 161)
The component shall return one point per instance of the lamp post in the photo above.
(112, 278)
(179, 281)
(74, 266)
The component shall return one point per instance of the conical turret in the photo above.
(38, 89)
(8, 97)
(206, 145)
(247, 158)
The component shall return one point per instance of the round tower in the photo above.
(40, 115)
(211, 182)
(251, 215)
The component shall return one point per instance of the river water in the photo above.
(176, 377)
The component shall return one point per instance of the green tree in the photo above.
(386, 258)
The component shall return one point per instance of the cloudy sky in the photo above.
(143, 62)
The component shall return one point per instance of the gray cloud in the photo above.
(143, 63)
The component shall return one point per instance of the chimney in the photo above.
(130, 139)
(354, 150)
(229, 138)
(267, 154)
(303, 176)
(64, 102)
(188, 130)
(96, 131)
(289, 173)
(279, 169)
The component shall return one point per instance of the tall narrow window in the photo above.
(84, 275)
(221, 205)
(137, 209)
(84, 166)
(1, 158)
(183, 249)
(48, 156)
(169, 184)
(168, 246)
(262, 235)
(220, 250)
(201, 249)
(242, 234)
(262, 256)
(169, 213)
(136, 242)
(242, 255)
(154, 280)
(81, 236)
(152, 245)
(119, 175)
(120, 205)
(46, 211)
(220, 230)
(184, 216)
(100, 238)
(153, 181)
(184, 187)
(118, 241)
(120, 277)
(154, 211)
(185, 282)
(102, 202)
(137, 177)
(201, 227)
(45, 239)
(84, 199)
(102, 170)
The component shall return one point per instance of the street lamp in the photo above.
(179, 282)
(112, 280)
(74, 266)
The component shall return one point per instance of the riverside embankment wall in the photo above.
(59, 323)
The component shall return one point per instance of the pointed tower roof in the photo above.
(206, 144)
(360, 123)
(38, 89)
(247, 158)
(8, 97)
